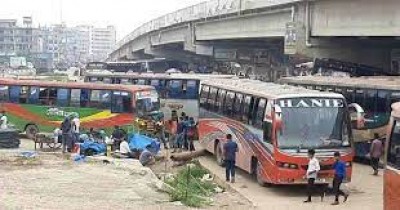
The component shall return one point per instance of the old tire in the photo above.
(31, 131)
(219, 154)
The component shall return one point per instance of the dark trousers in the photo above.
(337, 181)
(375, 163)
(312, 189)
(230, 169)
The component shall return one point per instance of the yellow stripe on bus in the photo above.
(99, 116)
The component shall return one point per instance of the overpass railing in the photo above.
(203, 10)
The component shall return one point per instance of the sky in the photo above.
(126, 15)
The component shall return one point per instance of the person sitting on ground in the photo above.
(126, 150)
(146, 157)
(117, 136)
(3, 120)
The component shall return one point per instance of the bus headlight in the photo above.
(287, 165)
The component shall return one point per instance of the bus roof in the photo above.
(161, 75)
(396, 110)
(373, 82)
(267, 90)
(77, 85)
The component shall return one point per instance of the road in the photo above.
(366, 191)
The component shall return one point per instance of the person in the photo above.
(179, 136)
(117, 136)
(75, 126)
(311, 175)
(376, 151)
(185, 129)
(146, 156)
(160, 129)
(230, 150)
(66, 128)
(173, 126)
(340, 173)
(3, 120)
(125, 149)
(191, 133)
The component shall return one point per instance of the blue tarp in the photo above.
(96, 147)
(139, 142)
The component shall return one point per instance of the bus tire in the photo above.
(218, 153)
(31, 130)
(259, 178)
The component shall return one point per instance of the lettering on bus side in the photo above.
(311, 103)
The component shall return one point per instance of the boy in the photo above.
(230, 150)
(340, 174)
(311, 175)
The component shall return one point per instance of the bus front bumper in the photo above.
(318, 181)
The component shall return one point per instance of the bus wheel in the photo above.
(219, 155)
(31, 131)
(259, 178)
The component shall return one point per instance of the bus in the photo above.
(374, 94)
(40, 106)
(146, 65)
(392, 161)
(179, 92)
(274, 126)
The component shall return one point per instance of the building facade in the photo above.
(102, 42)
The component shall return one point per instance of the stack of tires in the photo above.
(9, 139)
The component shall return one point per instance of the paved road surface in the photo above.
(366, 191)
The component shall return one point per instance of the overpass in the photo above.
(271, 34)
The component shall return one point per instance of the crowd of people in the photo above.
(182, 132)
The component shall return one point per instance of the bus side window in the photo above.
(121, 102)
(33, 97)
(211, 101)
(348, 93)
(393, 155)
(204, 95)
(220, 100)
(95, 98)
(52, 96)
(259, 114)
(75, 98)
(14, 94)
(23, 96)
(238, 106)
(192, 89)
(4, 93)
(105, 99)
(246, 109)
(229, 101)
(175, 89)
(85, 96)
(62, 97)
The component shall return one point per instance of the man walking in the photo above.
(230, 150)
(376, 151)
(66, 128)
(311, 175)
(340, 174)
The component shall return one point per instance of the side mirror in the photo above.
(357, 116)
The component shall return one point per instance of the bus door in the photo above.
(121, 102)
(62, 97)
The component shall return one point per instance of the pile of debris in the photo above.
(9, 139)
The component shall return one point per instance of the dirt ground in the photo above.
(53, 181)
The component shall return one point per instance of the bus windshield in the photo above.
(313, 123)
(147, 102)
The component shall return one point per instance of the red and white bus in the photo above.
(274, 126)
(392, 156)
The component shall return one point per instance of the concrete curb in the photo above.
(227, 186)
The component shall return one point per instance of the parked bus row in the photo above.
(374, 94)
(274, 126)
(392, 156)
(34, 106)
(178, 92)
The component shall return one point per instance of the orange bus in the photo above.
(274, 126)
(392, 160)
(34, 106)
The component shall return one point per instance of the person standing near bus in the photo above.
(230, 150)
(76, 123)
(311, 175)
(340, 173)
(3, 120)
(66, 128)
(376, 152)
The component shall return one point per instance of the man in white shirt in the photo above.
(125, 150)
(3, 120)
(76, 123)
(312, 172)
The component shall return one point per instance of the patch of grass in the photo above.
(189, 188)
